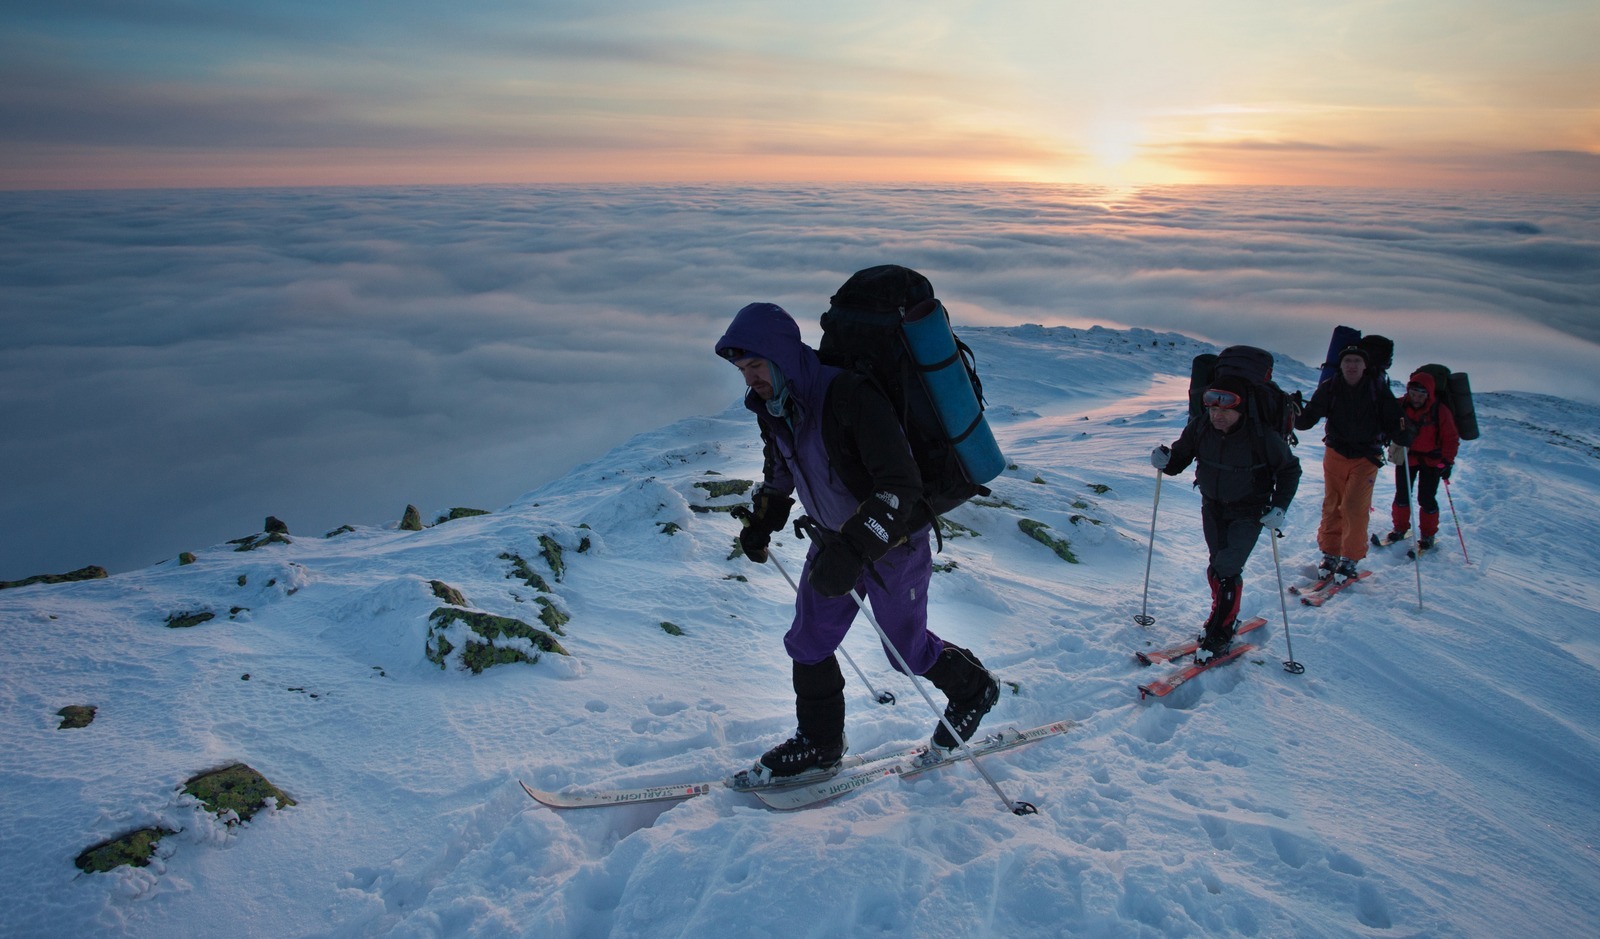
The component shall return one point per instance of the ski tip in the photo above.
(537, 795)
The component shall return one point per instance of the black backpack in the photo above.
(1380, 355)
(937, 396)
(1268, 408)
(1454, 391)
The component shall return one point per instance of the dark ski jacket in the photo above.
(839, 441)
(1361, 417)
(1241, 472)
(1435, 438)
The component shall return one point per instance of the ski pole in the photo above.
(883, 697)
(1416, 532)
(1291, 666)
(1456, 519)
(1015, 808)
(1144, 618)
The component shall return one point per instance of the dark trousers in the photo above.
(1427, 481)
(1231, 533)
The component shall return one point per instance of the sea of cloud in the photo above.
(177, 365)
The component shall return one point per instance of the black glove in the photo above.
(1445, 473)
(836, 566)
(769, 511)
(876, 527)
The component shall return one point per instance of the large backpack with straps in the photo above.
(1454, 391)
(1269, 407)
(886, 323)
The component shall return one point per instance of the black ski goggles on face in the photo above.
(734, 355)
(1416, 386)
(1217, 398)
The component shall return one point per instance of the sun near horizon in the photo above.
(1497, 95)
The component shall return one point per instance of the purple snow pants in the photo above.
(900, 605)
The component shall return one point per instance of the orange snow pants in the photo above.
(1346, 503)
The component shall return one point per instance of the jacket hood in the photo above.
(1425, 380)
(767, 331)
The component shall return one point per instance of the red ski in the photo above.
(1174, 653)
(1321, 596)
(1164, 686)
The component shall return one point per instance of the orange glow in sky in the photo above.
(1437, 93)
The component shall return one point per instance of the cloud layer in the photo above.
(179, 364)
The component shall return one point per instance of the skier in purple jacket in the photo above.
(832, 436)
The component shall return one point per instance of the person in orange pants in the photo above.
(1362, 416)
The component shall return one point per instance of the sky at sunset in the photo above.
(1478, 94)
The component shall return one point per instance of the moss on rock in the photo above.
(134, 849)
(716, 489)
(551, 550)
(252, 542)
(1040, 532)
(186, 619)
(552, 617)
(476, 655)
(92, 572)
(520, 569)
(411, 519)
(447, 593)
(236, 788)
(76, 715)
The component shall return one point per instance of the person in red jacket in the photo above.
(1430, 456)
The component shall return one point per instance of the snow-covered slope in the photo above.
(1435, 771)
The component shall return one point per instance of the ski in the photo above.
(1173, 653)
(1322, 596)
(1164, 686)
(905, 764)
(1319, 584)
(673, 792)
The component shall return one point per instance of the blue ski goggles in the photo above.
(1217, 398)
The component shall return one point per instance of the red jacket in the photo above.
(1436, 439)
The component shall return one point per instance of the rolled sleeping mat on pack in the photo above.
(1343, 337)
(1461, 406)
(944, 374)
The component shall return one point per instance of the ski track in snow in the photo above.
(1433, 773)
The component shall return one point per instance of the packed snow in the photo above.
(1434, 772)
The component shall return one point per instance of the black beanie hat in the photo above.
(1355, 350)
(1232, 383)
